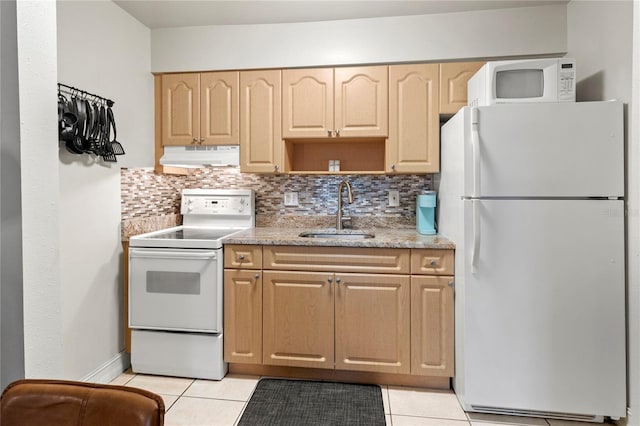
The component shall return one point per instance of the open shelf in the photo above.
(365, 156)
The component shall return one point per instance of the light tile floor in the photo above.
(192, 402)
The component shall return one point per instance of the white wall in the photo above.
(36, 30)
(493, 33)
(11, 322)
(103, 50)
(600, 37)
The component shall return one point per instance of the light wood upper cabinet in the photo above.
(432, 333)
(413, 145)
(373, 323)
(453, 84)
(200, 109)
(298, 319)
(180, 109)
(361, 101)
(307, 102)
(219, 108)
(335, 102)
(261, 143)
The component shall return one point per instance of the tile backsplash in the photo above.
(146, 194)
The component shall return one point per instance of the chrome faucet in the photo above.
(339, 218)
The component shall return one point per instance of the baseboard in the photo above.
(110, 369)
(430, 382)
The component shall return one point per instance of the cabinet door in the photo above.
(242, 316)
(307, 103)
(361, 106)
(219, 108)
(372, 323)
(414, 124)
(298, 319)
(432, 326)
(180, 109)
(260, 123)
(453, 84)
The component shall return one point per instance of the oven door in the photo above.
(175, 289)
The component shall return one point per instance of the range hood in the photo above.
(195, 156)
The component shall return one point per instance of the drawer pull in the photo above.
(241, 257)
(433, 263)
(256, 276)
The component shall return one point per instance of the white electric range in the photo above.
(175, 286)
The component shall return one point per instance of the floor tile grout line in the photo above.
(214, 399)
(244, 407)
(433, 417)
(441, 418)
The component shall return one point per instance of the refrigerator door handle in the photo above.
(475, 147)
(475, 247)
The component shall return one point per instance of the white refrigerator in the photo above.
(533, 197)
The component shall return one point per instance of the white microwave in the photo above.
(527, 80)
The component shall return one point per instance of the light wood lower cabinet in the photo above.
(432, 348)
(372, 323)
(243, 316)
(355, 309)
(298, 319)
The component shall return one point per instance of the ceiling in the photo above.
(186, 13)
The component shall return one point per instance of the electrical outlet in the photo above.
(291, 199)
(394, 198)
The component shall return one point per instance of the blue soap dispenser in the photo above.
(426, 213)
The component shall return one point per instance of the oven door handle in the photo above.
(173, 254)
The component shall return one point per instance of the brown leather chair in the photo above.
(66, 403)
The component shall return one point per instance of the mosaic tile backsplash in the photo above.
(146, 194)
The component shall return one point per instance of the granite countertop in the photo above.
(384, 238)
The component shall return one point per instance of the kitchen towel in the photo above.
(310, 403)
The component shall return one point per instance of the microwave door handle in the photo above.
(475, 147)
(172, 254)
(475, 247)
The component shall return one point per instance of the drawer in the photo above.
(240, 256)
(432, 262)
(337, 259)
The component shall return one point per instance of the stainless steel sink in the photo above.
(337, 234)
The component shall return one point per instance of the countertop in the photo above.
(384, 238)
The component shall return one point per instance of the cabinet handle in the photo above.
(329, 133)
(241, 257)
(329, 280)
(256, 276)
(201, 140)
(195, 140)
(338, 280)
(338, 132)
(451, 284)
(276, 168)
(393, 167)
(433, 263)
